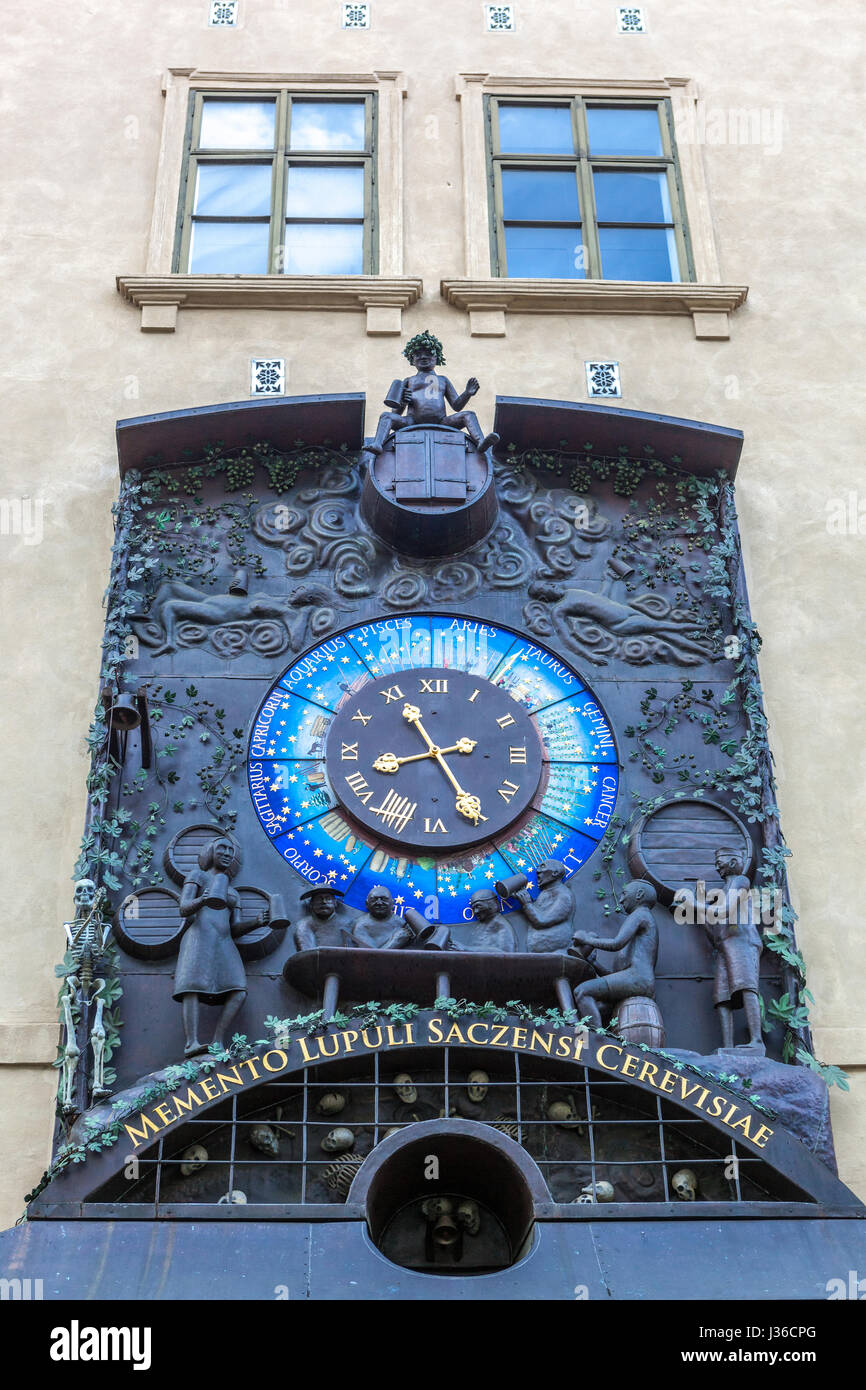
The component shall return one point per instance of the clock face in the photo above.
(434, 755)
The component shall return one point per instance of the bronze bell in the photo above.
(124, 713)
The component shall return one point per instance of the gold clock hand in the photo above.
(466, 805)
(387, 762)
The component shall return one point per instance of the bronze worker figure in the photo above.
(209, 966)
(493, 934)
(425, 396)
(323, 923)
(638, 939)
(737, 945)
(550, 914)
(380, 927)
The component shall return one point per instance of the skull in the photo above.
(332, 1103)
(84, 892)
(194, 1157)
(435, 1207)
(235, 1198)
(599, 1192)
(263, 1138)
(685, 1185)
(406, 1088)
(477, 1083)
(469, 1216)
(338, 1141)
(562, 1112)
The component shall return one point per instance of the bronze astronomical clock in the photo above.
(432, 754)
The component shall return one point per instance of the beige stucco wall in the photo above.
(82, 113)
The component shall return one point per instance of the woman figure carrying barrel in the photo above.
(638, 939)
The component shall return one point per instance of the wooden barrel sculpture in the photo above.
(674, 847)
(640, 1021)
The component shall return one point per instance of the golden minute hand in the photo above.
(466, 805)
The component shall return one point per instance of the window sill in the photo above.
(487, 301)
(382, 297)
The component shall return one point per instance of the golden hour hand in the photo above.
(387, 762)
(466, 805)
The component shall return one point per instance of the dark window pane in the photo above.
(318, 191)
(233, 190)
(637, 253)
(540, 195)
(327, 125)
(632, 197)
(229, 248)
(237, 125)
(535, 129)
(547, 253)
(314, 249)
(624, 130)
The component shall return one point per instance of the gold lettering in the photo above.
(579, 1043)
(305, 1054)
(158, 1109)
(335, 1039)
(607, 1047)
(366, 1040)
(686, 1090)
(541, 1042)
(469, 1032)
(437, 1024)
(360, 787)
(562, 1046)
(349, 1033)
(717, 1105)
(743, 1124)
(205, 1082)
(275, 1052)
(349, 752)
(669, 1076)
(508, 790)
(474, 696)
(499, 1033)
(437, 828)
(700, 1102)
(364, 718)
(630, 1065)
(648, 1066)
(410, 1034)
(519, 1037)
(185, 1104)
(433, 687)
(454, 1031)
(517, 755)
(726, 1119)
(505, 721)
(391, 694)
(236, 1080)
(392, 1041)
(138, 1136)
(759, 1139)
(251, 1063)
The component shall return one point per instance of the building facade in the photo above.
(600, 211)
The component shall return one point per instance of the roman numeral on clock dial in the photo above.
(434, 687)
(360, 787)
(349, 753)
(508, 790)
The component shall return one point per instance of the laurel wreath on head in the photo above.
(425, 340)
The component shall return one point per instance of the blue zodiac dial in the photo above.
(434, 755)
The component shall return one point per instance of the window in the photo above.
(278, 183)
(585, 189)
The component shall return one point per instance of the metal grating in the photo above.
(602, 379)
(609, 1133)
(267, 376)
(500, 18)
(356, 16)
(223, 14)
(630, 19)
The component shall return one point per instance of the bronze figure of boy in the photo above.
(425, 397)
